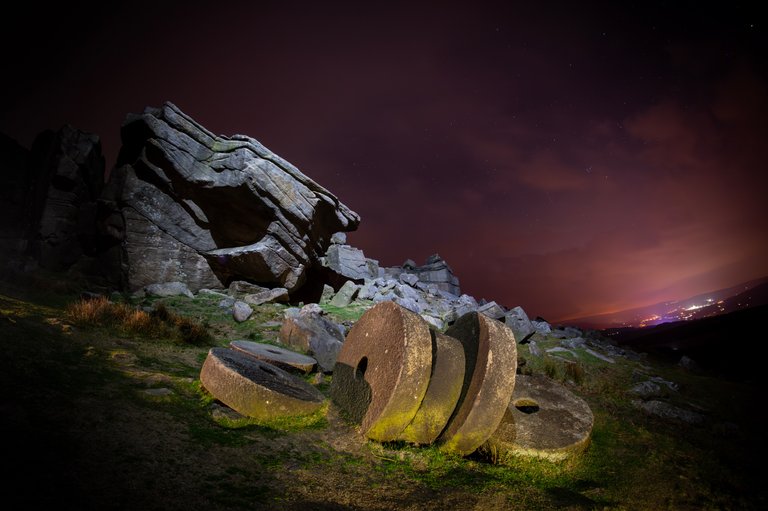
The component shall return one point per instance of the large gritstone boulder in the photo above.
(255, 388)
(383, 370)
(489, 379)
(544, 420)
(207, 209)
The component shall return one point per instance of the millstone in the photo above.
(382, 371)
(275, 355)
(443, 392)
(543, 419)
(255, 388)
(489, 378)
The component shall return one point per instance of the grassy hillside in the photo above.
(101, 414)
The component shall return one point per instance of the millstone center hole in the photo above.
(526, 405)
(273, 351)
(361, 368)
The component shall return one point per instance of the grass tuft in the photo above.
(160, 322)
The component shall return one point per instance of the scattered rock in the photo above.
(491, 363)
(345, 295)
(328, 293)
(168, 289)
(227, 303)
(560, 349)
(409, 278)
(533, 349)
(240, 288)
(276, 295)
(544, 420)
(161, 392)
(566, 332)
(255, 388)
(383, 370)
(350, 262)
(212, 292)
(280, 357)
(600, 356)
(647, 389)
(541, 326)
(308, 330)
(669, 411)
(241, 311)
(492, 310)
(339, 238)
(688, 363)
(518, 321)
(576, 342)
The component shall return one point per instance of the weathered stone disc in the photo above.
(443, 391)
(489, 378)
(255, 388)
(544, 419)
(382, 372)
(275, 355)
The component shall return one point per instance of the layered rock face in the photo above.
(207, 209)
(50, 199)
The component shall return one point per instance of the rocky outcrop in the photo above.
(50, 199)
(207, 209)
(435, 272)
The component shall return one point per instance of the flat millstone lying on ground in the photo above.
(275, 355)
(544, 419)
(382, 372)
(489, 379)
(255, 388)
(443, 391)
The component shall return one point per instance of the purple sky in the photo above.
(572, 159)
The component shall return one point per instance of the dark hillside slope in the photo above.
(731, 345)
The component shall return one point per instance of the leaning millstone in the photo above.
(382, 372)
(543, 419)
(443, 391)
(345, 295)
(241, 311)
(255, 388)
(280, 357)
(489, 378)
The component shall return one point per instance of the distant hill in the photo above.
(721, 301)
(731, 345)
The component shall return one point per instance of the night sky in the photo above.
(573, 158)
